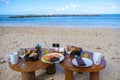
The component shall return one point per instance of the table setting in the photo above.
(79, 60)
(71, 58)
(56, 54)
(83, 58)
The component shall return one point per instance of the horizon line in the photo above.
(62, 14)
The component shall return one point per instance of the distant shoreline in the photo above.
(55, 15)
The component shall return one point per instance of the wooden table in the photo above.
(28, 68)
(94, 69)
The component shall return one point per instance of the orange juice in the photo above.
(46, 51)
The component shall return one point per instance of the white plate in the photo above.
(87, 61)
(61, 57)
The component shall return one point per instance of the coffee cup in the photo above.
(13, 57)
(97, 58)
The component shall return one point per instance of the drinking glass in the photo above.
(21, 52)
(68, 49)
(47, 49)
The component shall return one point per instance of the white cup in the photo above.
(13, 57)
(97, 58)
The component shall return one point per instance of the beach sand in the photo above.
(104, 40)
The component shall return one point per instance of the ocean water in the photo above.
(104, 20)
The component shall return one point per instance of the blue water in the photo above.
(106, 20)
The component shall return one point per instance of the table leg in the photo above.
(68, 74)
(94, 76)
(28, 75)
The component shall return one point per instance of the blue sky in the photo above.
(59, 6)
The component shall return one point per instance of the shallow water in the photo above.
(104, 20)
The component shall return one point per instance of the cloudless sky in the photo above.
(59, 6)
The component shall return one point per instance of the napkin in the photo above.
(80, 62)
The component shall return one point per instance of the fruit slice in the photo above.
(85, 55)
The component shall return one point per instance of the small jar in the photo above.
(38, 47)
(39, 50)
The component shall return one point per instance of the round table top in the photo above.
(28, 66)
(67, 64)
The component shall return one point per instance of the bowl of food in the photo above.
(52, 58)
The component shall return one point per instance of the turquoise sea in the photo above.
(103, 20)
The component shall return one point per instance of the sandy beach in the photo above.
(104, 40)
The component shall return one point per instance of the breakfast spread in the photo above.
(51, 57)
(33, 54)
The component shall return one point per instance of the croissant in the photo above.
(30, 52)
